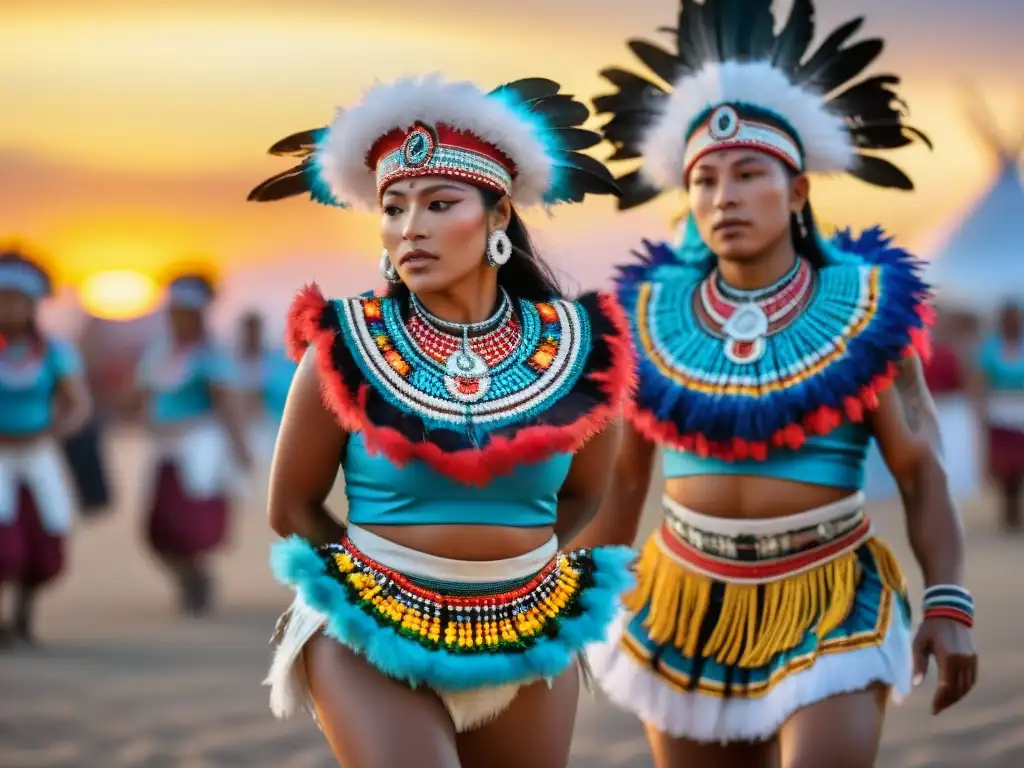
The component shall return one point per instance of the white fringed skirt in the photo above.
(737, 624)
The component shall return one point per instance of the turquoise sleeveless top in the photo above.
(178, 383)
(429, 447)
(1002, 373)
(836, 460)
(788, 396)
(28, 381)
(380, 493)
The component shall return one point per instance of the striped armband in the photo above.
(947, 601)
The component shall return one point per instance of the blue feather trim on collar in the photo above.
(868, 312)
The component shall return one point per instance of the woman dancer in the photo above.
(187, 385)
(265, 374)
(768, 623)
(1001, 394)
(473, 411)
(43, 399)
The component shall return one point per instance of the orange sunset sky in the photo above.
(132, 130)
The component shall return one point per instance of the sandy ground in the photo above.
(123, 681)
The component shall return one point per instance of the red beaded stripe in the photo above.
(761, 570)
(494, 347)
(436, 597)
(796, 291)
(945, 612)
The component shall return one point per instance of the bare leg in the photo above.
(682, 753)
(370, 720)
(535, 731)
(840, 732)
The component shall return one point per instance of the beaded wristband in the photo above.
(948, 601)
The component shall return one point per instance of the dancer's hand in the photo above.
(952, 645)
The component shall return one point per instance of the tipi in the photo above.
(980, 262)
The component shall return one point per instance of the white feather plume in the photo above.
(826, 141)
(429, 99)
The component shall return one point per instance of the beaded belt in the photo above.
(753, 548)
(764, 557)
(478, 618)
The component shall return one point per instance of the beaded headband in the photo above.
(523, 139)
(189, 293)
(428, 150)
(24, 278)
(726, 127)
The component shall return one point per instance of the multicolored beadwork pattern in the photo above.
(824, 365)
(490, 621)
(510, 632)
(554, 339)
(444, 160)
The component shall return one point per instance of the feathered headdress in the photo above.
(521, 139)
(733, 82)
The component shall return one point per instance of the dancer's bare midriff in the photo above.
(750, 497)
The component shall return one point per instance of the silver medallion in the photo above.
(467, 376)
(747, 323)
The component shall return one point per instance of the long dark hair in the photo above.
(806, 244)
(526, 275)
(15, 257)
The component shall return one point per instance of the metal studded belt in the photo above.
(756, 548)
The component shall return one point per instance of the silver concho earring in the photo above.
(387, 269)
(499, 248)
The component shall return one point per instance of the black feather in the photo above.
(795, 38)
(696, 39)
(881, 173)
(635, 190)
(285, 184)
(630, 81)
(658, 60)
(624, 151)
(299, 144)
(891, 134)
(576, 138)
(844, 67)
(628, 127)
(869, 99)
(581, 175)
(528, 89)
(561, 111)
(827, 51)
(745, 29)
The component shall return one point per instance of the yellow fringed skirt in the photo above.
(724, 644)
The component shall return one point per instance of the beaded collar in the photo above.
(819, 347)
(21, 365)
(544, 377)
(743, 319)
(467, 362)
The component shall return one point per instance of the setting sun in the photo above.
(119, 294)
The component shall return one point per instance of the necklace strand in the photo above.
(464, 329)
(755, 294)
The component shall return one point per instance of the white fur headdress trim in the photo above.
(430, 99)
(826, 141)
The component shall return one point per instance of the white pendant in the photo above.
(467, 376)
(745, 331)
(747, 323)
